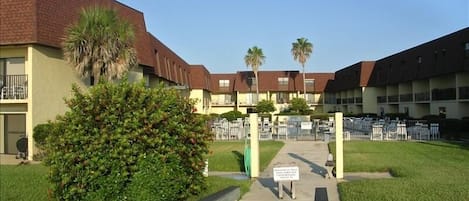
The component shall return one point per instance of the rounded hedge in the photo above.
(101, 143)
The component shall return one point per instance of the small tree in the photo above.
(265, 106)
(100, 44)
(100, 145)
(299, 105)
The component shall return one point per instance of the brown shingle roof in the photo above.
(44, 22)
(215, 78)
(200, 77)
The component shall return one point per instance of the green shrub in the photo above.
(299, 105)
(232, 115)
(265, 106)
(99, 144)
(40, 133)
(158, 176)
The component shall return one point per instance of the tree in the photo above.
(265, 106)
(301, 51)
(255, 58)
(299, 105)
(100, 44)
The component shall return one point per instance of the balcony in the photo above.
(381, 99)
(422, 97)
(444, 94)
(223, 103)
(358, 100)
(406, 98)
(393, 99)
(344, 101)
(248, 103)
(338, 101)
(463, 92)
(13, 87)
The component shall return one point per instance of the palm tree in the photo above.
(255, 58)
(301, 51)
(100, 44)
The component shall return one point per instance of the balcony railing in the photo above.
(463, 92)
(344, 101)
(393, 99)
(358, 100)
(406, 98)
(13, 86)
(339, 101)
(423, 96)
(381, 99)
(223, 103)
(444, 94)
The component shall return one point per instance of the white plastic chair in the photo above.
(434, 131)
(377, 132)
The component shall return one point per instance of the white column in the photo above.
(339, 149)
(254, 145)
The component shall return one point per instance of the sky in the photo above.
(217, 33)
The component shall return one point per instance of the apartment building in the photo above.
(431, 78)
(239, 91)
(34, 78)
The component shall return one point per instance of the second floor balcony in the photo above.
(13, 87)
(463, 92)
(422, 96)
(406, 97)
(444, 94)
(393, 99)
(381, 99)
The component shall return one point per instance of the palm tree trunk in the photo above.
(304, 82)
(257, 87)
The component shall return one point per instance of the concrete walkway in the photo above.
(310, 157)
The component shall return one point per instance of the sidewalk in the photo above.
(310, 157)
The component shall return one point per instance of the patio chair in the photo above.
(377, 132)
(401, 131)
(434, 131)
(424, 132)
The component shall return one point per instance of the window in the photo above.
(309, 82)
(406, 111)
(310, 98)
(251, 98)
(442, 112)
(466, 49)
(252, 81)
(419, 59)
(283, 97)
(283, 81)
(223, 83)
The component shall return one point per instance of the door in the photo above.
(14, 128)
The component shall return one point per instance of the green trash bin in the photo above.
(247, 161)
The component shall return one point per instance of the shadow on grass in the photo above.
(240, 159)
(315, 168)
(461, 144)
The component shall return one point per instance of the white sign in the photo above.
(286, 173)
(306, 125)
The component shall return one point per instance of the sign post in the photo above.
(289, 174)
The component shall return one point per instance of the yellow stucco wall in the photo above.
(221, 110)
(370, 104)
(203, 100)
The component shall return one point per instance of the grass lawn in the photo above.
(229, 155)
(29, 182)
(26, 182)
(423, 171)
